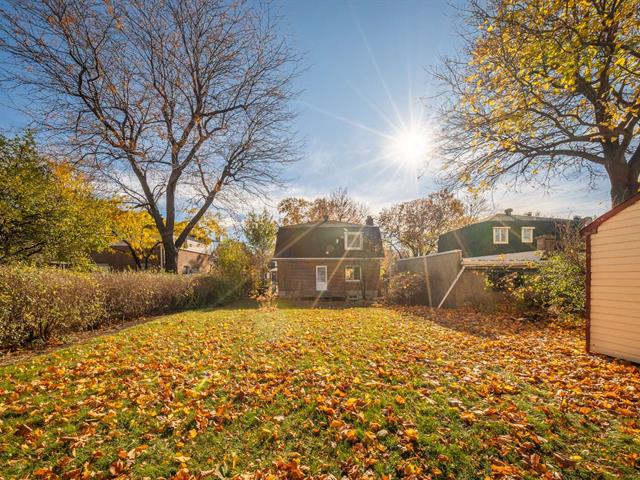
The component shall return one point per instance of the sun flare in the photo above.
(410, 146)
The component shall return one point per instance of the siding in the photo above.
(615, 286)
(297, 278)
(476, 239)
(119, 259)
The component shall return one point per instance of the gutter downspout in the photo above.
(451, 287)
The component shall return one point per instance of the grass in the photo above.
(317, 392)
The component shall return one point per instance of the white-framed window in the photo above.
(527, 234)
(500, 235)
(352, 273)
(353, 241)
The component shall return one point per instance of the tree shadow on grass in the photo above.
(324, 303)
(488, 325)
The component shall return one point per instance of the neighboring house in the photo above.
(613, 282)
(193, 257)
(503, 233)
(328, 259)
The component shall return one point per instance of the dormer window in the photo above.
(500, 235)
(353, 241)
(527, 234)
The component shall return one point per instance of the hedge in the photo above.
(40, 303)
(406, 288)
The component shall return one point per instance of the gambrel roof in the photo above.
(326, 239)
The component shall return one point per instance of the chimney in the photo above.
(369, 221)
(546, 243)
(508, 211)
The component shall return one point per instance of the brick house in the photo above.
(193, 257)
(328, 259)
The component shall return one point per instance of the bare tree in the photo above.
(412, 228)
(177, 102)
(338, 206)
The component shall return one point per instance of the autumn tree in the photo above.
(259, 230)
(48, 211)
(545, 88)
(337, 206)
(136, 229)
(412, 228)
(232, 263)
(179, 104)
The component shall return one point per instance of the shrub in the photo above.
(38, 303)
(406, 288)
(266, 297)
(131, 295)
(233, 267)
(216, 289)
(558, 287)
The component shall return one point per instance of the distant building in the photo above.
(193, 257)
(504, 233)
(328, 259)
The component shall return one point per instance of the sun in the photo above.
(410, 146)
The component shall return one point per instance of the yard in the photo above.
(323, 392)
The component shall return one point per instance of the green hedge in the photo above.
(40, 303)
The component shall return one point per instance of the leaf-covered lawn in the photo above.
(323, 392)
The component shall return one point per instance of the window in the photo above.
(352, 273)
(500, 235)
(527, 234)
(353, 241)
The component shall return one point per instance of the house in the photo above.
(613, 282)
(503, 233)
(193, 257)
(328, 259)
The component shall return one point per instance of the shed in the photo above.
(613, 282)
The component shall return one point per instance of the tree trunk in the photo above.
(170, 255)
(624, 182)
(134, 255)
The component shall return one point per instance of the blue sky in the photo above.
(366, 83)
(368, 78)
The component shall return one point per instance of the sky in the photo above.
(368, 80)
(364, 106)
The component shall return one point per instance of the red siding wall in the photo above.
(297, 278)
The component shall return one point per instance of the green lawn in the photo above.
(319, 392)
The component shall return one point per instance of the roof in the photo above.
(326, 223)
(519, 259)
(593, 226)
(503, 217)
(325, 239)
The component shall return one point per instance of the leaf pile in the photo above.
(323, 393)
